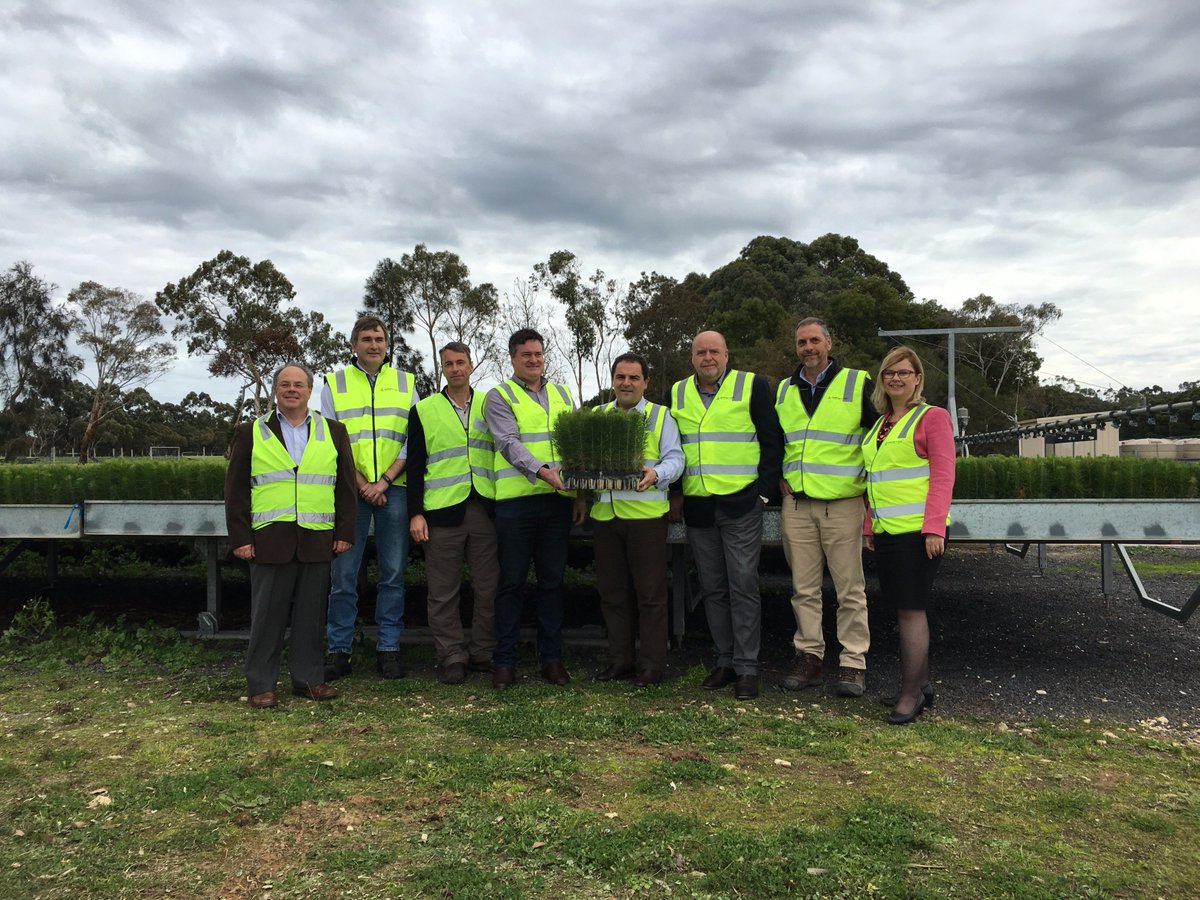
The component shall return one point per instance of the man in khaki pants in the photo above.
(825, 410)
(450, 498)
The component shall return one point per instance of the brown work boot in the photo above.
(851, 682)
(805, 671)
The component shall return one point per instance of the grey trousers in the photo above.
(475, 542)
(726, 558)
(292, 591)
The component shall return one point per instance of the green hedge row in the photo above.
(114, 479)
(1074, 478)
(977, 478)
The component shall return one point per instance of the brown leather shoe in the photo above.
(454, 673)
(315, 691)
(554, 673)
(503, 677)
(805, 671)
(851, 682)
(265, 700)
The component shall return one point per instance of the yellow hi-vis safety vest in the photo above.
(280, 490)
(650, 503)
(375, 415)
(822, 455)
(456, 457)
(720, 445)
(533, 427)
(897, 477)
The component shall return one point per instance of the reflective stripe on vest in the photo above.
(457, 457)
(533, 428)
(822, 455)
(720, 445)
(897, 477)
(650, 503)
(375, 415)
(280, 490)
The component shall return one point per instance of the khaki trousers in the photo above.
(631, 576)
(827, 532)
(475, 542)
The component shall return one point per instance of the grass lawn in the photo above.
(129, 767)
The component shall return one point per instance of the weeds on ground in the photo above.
(36, 639)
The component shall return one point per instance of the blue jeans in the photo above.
(391, 547)
(531, 529)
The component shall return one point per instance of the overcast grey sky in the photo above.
(1028, 150)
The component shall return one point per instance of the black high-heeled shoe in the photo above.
(926, 689)
(895, 718)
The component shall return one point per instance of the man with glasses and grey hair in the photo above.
(825, 410)
(289, 510)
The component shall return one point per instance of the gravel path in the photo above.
(1012, 645)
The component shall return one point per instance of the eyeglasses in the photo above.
(897, 373)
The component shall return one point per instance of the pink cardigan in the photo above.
(934, 438)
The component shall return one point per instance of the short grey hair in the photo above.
(292, 365)
(813, 320)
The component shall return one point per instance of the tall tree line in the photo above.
(74, 373)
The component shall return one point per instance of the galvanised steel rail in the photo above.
(1018, 524)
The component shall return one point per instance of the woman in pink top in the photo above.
(909, 458)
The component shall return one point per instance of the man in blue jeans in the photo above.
(533, 513)
(373, 401)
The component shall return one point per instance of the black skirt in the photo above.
(905, 571)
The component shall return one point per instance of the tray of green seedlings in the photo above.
(599, 449)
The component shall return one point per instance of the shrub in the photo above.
(1071, 478)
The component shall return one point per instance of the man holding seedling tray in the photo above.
(629, 528)
(533, 511)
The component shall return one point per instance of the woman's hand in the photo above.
(935, 545)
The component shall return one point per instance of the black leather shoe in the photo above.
(337, 665)
(614, 672)
(390, 663)
(719, 678)
(895, 718)
(927, 690)
(646, 679)
(503, 677)
(746, 687)
(553, 672)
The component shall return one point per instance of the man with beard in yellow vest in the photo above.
(533, 512)
(451, 502)
(289, 510)
(825, 410)
(373, 401)
(629, 531)
(732, 446)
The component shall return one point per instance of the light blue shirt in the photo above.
(670, 464)
(295, 437)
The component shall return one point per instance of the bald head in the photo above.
(710, 357)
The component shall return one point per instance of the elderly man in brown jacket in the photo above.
(289, 509)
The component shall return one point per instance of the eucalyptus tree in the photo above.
(123, 336)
